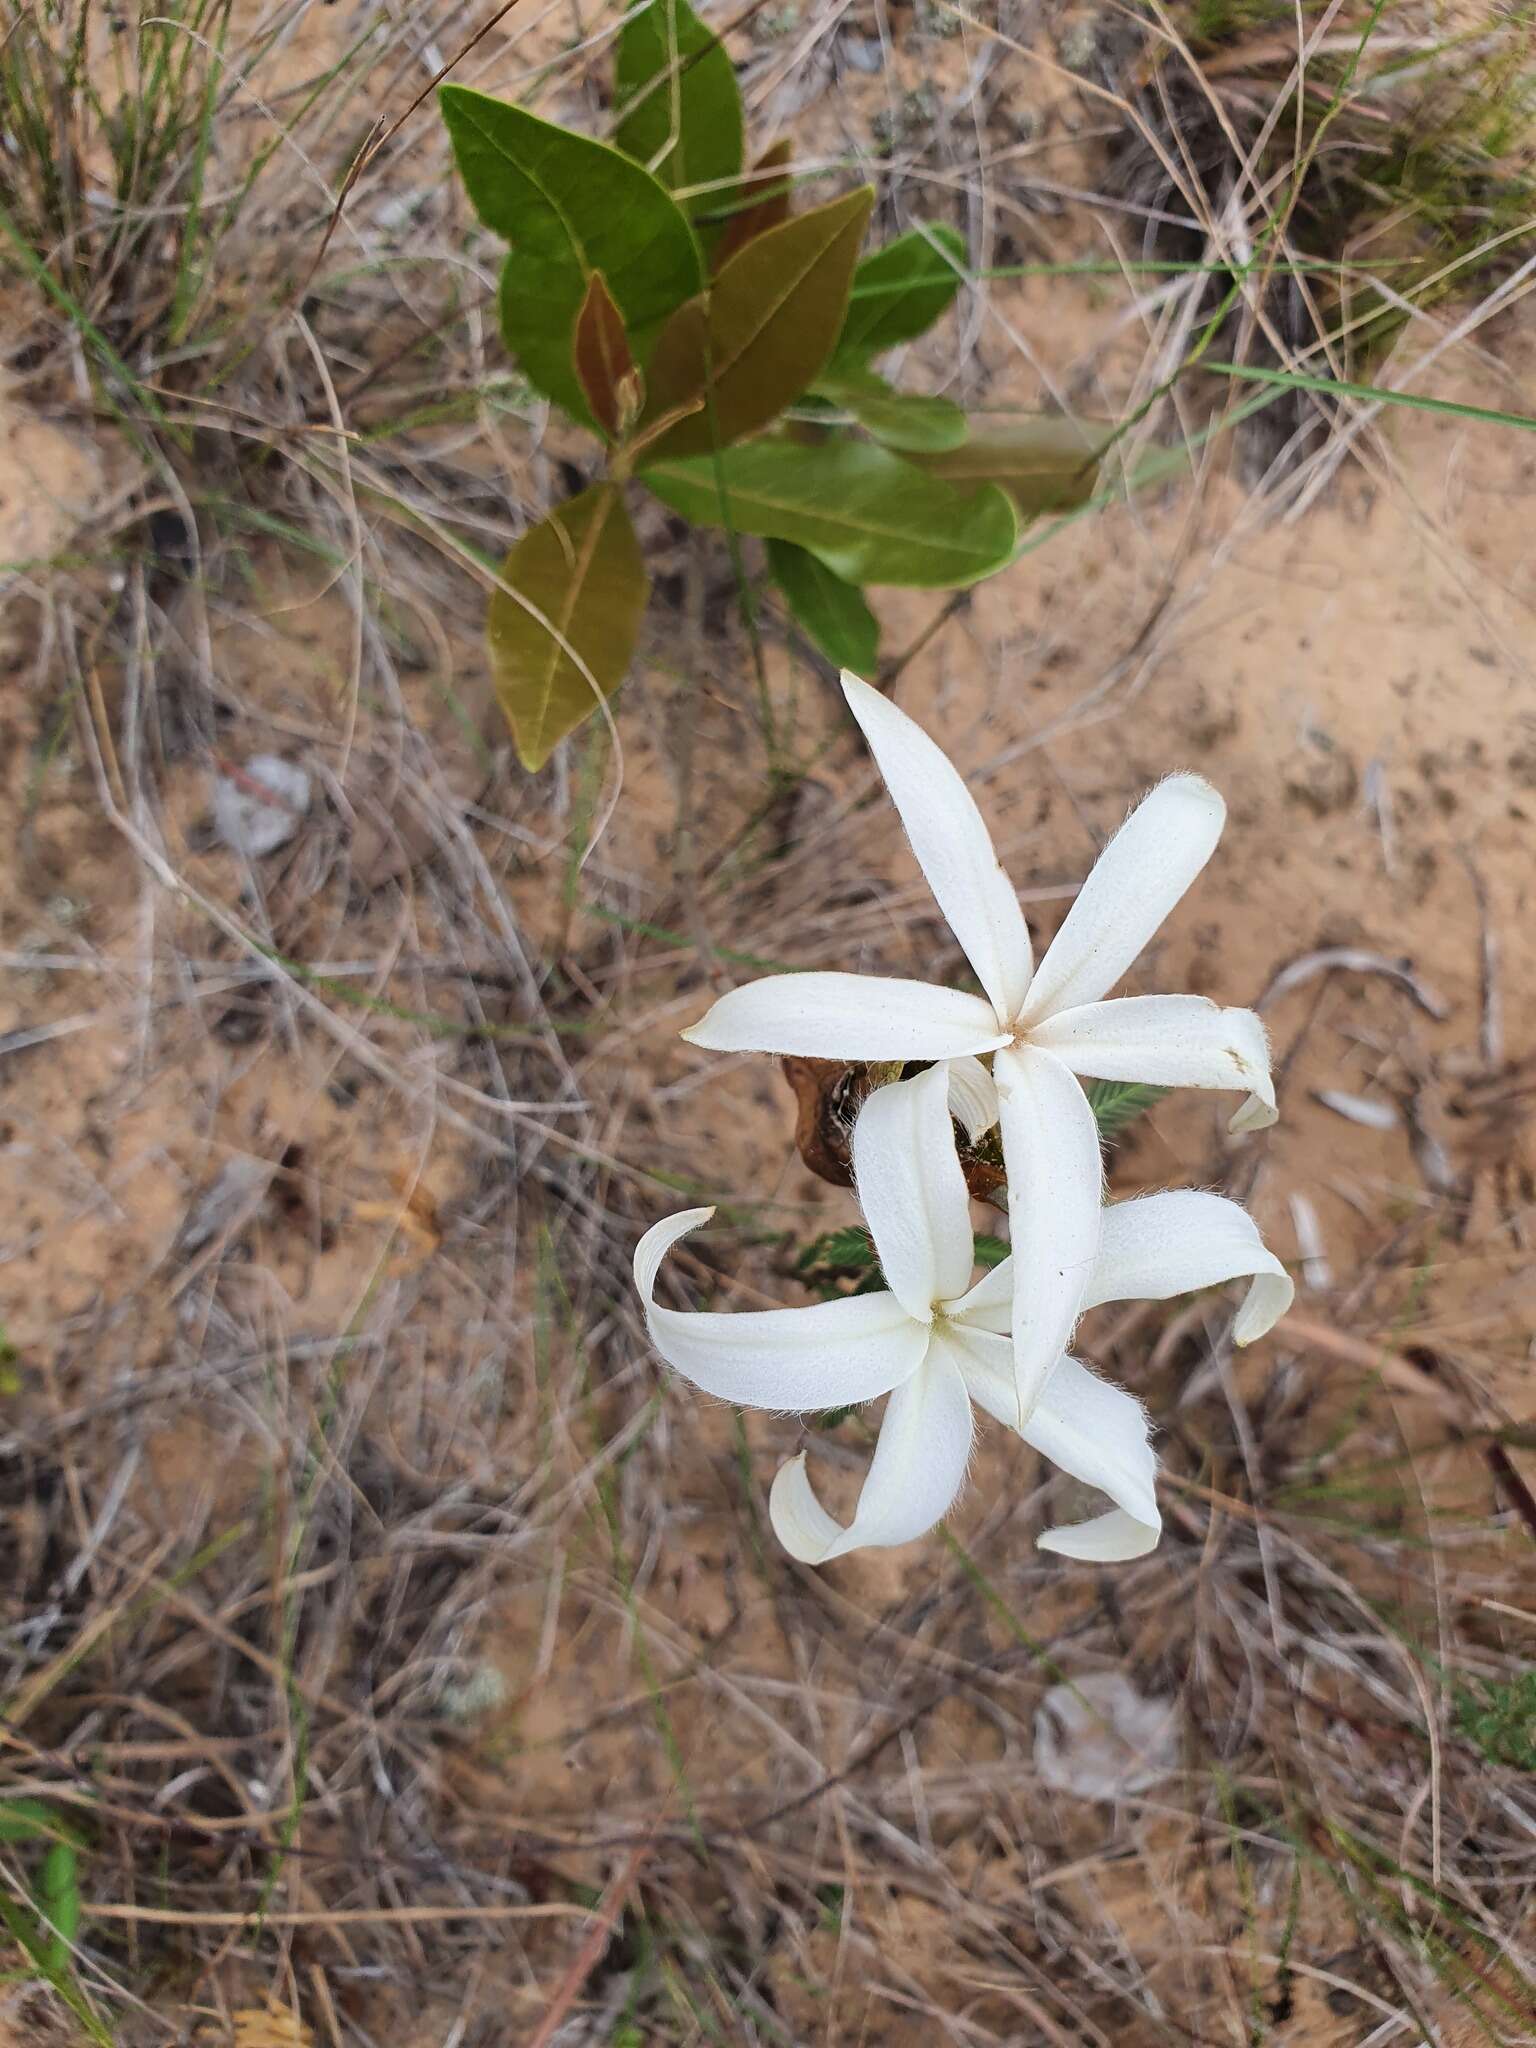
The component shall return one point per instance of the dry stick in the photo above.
(1396, 1370)
(586, 1957)
(891, 670)
(346, 1916)
(1521, 1498)
(1409, 1378)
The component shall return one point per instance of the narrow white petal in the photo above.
(799, 1520)
(1095, 1432)
(1256, 1114)
(1170, 1042)
(953, 846)
(1133, 885)
(984, 1361)
(826, 1356)
(848, 1017)
(1098, 1433)
(912, 1191)
(989, 1306)
(1114, 1538)
(972, 1096)
(1176, 1242)
(1055, 1195)
(918, 1467)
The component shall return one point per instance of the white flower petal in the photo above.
(848, 1017)
(984, 1361)
(1055, 1194)
(1256, 1114)
(1114, 1538)
(829, 1355)
(1170, 1042)
(1133, 885)
(918, 1467)
(1176, 1242)
(989, 1306)
(972, 1096)
(912, 1191)
(1098, 1433)
(1095, 1432)
(953, 846)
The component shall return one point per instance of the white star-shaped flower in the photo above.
(1042, 1026)
(935, 1343)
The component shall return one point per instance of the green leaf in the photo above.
(58, 1899)
(1500, 1717)
(33, 1820)
(834, 1258)
(900, 291)
(604, 367)
(832, 612)
(679, 107)
(752, 343)
(581, 568)
(901, 419)
(1118, 1103)
(761, 202)
(851, 1248)
(569, 206)
(1046, 463)
(869, 515)
(990, 1251)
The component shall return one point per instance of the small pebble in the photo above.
(258, 807)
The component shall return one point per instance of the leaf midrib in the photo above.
(819, 256)
(801, 510)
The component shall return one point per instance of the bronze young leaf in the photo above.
(564, 629)
(762, 202)
(749, 345)
(604, 367)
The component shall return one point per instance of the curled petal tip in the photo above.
(1256, 1114)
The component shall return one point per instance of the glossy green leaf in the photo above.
(1045, 464)
(868, 514)
(751, 344)
(761, 202)
(901, 419)
(604, 367)
(569, 206)
(900, 290)
(833, 613)
(679, 107)
(581, 569)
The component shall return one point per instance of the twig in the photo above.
(585, 1959)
